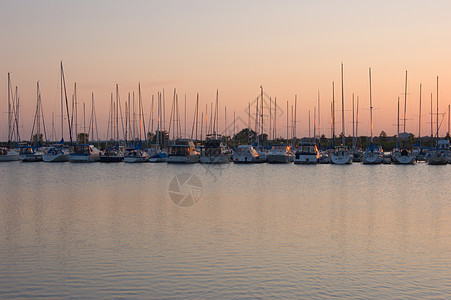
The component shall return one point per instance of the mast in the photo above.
(342, 109)
(270, 119)
(405, 105)
(357, 120)
(333, 113)
(76, 110)
(295, 123)
(275, 123)
(9, 107)
(287, 121)
(140, 110)
(184, 130)
(353, 123)
(419, 118)
(319, 117)
(84, 124)
(448, 118)
(63, 84)
(314, 125)
(371, 110)
(437, 110)
(261, 88)
(397, 124)
(309, 133)
(432, 130)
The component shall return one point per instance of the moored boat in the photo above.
(280, 154)
(306, 153)
(84, 153)
(183, 152)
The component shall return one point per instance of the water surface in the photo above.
(257, 231)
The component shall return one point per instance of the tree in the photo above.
(82, 138)
(41, 140)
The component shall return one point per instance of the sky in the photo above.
(288, 47)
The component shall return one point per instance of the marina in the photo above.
(225, 149)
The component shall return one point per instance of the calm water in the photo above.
(256, 231)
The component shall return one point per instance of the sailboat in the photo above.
(373, 154)
(29, 153)
(136, 154)
(114, 153)
(156, 154)
(439, 155)
(341, 155)
(404, 156)
(215, 151)
(6, 153)
(57, 152)
(83, 151)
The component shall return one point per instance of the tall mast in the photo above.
(448, 118)
(405, 105)
(62, 104)
(432, 128)
(309, 133)
(261, 88)
(287, 121)
(319, 117)
(38, 120)
(342, 108)
(333, 113)
(184, 131)
(84, 124)
(437, 109)
(9, 107)
(63, 84)
(314, 125)
(357, 120)
(397, 124)
(275, 114)
(295, 123)
(270, 119)
(76, 110)
(371, 109)
(140, 110)
(353, 123)
(419, 118)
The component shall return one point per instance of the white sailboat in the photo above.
(341, 155)
(404, 155)
(373, 154)
(30, 153)
(6, 153)
(57, 152)
(439, 155)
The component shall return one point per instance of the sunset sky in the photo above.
(289, 47)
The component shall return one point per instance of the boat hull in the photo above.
(9, 157)
(303, 159)
(111, 159)
(135, 159)
(341, 159)
(404, 160)
(77, 158)
(222, 159)
(182, 159)
(35, 157)
(56, 158)
(279, 159)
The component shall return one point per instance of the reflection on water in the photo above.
(105, 231)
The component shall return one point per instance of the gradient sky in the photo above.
(289, 47)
